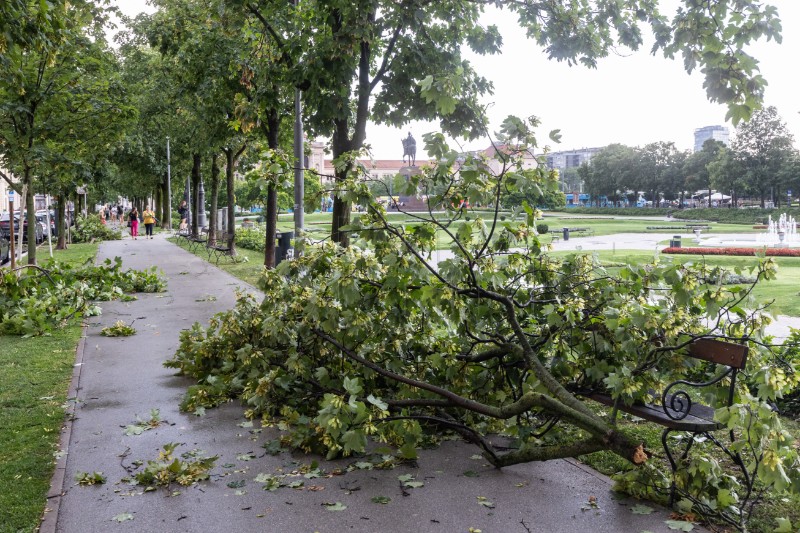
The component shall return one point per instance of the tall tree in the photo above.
(762, 145)
(47, 93)
(697, 170)
(610, 173)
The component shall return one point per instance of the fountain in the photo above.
(781, 233)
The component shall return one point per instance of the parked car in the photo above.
(5, 251)
(41, 218)
(5, 230)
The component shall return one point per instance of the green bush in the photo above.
(542, 229)
(251, 238)
(90, 229)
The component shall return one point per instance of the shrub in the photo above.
(251, 238)
(542, 229)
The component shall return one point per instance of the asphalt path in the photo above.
(118, 380)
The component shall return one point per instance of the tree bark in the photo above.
(195, 189)
(271, 216)
(61, 222)
(212, 225)
(30, 215)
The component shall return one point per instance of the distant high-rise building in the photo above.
(718, 133)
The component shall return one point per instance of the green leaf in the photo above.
(641, 509)
(352, 386)
(123, 517)
(383, 406)
(338, 506)
(679, 525)
(784, 526)
(381, 499)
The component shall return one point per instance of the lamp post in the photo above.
(187, 195)
(169, 191)
(298, 170)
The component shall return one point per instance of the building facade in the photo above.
(570, 158)
(718, 133)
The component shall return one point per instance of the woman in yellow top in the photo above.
(149, 221)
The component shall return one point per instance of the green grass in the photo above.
(782, 291)
(610, 226)
(248, 271)
(34, 378)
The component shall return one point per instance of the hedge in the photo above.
(777, 252)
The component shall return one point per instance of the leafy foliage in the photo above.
(90, 229)
(85, 478)
(119, 329)
(373, 341)
(168, 469)
(42, 299)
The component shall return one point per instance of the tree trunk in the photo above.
(230, 161)
(195, 189)
(30, 214)
(271, 216)
(163, 215)
(61, 222)
(212, 224)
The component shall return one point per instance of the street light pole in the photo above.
(298, 171)
(169, 191)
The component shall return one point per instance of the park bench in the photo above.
(200, 240)
(578, 232)
(582, 232)
(676, 410)
(217, 252)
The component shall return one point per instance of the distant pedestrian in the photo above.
(149, 221)
(183, 211)
(133, 216)
(119, 213)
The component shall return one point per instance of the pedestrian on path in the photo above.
(133, 216)
(149, 221)
(183, 211)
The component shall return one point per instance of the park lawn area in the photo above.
(609, 225)
(782, 291)
(248, 271)
(34, 379)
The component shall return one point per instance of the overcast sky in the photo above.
(631, 99)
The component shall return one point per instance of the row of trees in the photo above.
(761, 163)
(219, 79)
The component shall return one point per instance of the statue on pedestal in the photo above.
(410, 150)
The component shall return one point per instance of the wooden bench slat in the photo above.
(722, 353)
(700, 418)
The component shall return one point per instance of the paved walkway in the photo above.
(118, 379)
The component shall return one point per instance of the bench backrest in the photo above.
(720, 352)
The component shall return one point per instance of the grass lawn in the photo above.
(34, 378)
(782, 291)
(608, 226)
(248, 271)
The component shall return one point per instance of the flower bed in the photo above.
(780, 252)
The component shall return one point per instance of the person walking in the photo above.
(149, 221)
(133, 216)
(183, 211)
